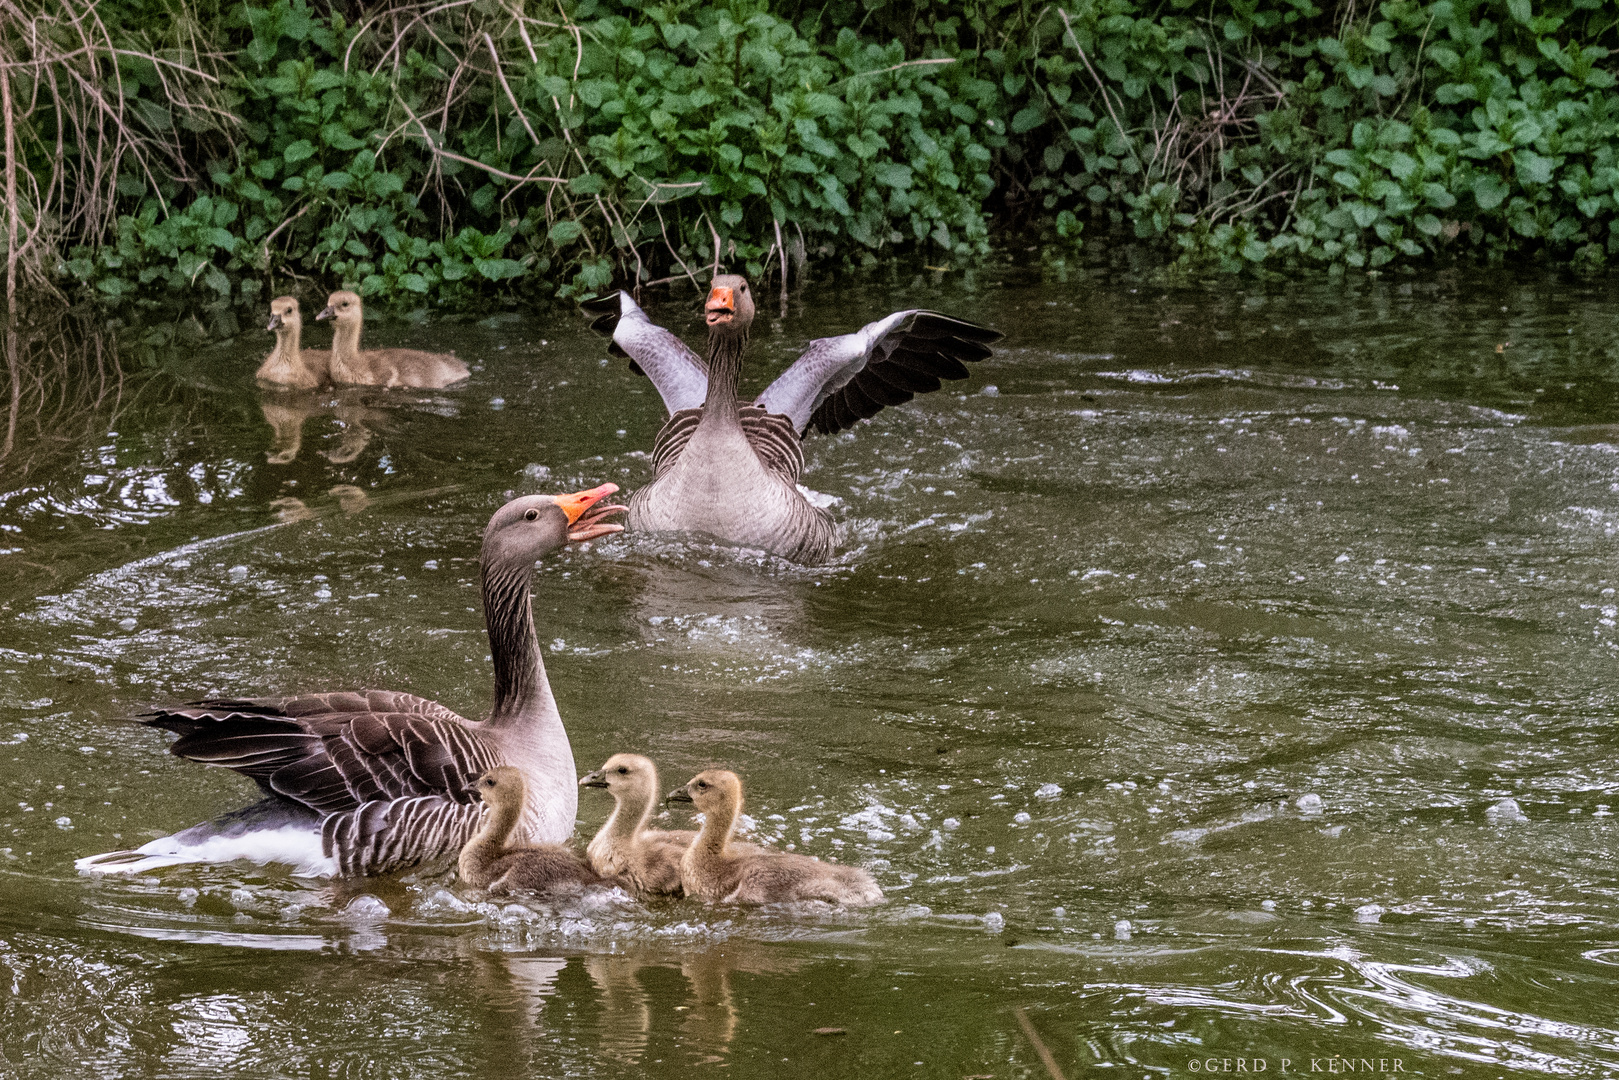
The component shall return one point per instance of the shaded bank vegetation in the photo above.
(447, 149)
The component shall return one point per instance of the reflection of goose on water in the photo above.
(381, 367)
(643, 1007)
(731, 469)
(367, 781)
(350, 500)
(286, 413)
(713, 870)
(489, 861)
(289, 364)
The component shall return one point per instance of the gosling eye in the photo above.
(702, 785)
(531, 515)
(623, 771)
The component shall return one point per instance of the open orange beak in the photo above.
(721, 305)
(585, 512)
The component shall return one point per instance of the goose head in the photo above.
(711, 790)
(501, 786)
(730, 304)
(627, 776)
(343, 307)
(526, 529)
(284, 312)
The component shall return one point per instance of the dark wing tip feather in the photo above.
(935, 324)
(604, 305)
(931, 348)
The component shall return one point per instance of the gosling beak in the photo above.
(327, 313)
(275, 321)
(721, 306)
(679, 794)
(585, 516)
(593, 779)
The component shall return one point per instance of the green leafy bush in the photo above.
(449, 153)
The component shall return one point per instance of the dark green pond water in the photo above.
(1223, 675)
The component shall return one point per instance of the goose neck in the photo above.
(521, 689)
(629, 818)
(288, 343)
(725, 347)
(346, 341)
(498, 824)
(716, 832)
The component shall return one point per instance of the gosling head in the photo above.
(501, 786)
(627, 776)
(711, 790)
(730, 304)
(343, 306)
(284, 312)
(527, 528)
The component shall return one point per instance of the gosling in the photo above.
(644, 861)
(288, 363)
(381, 367)
(712, 870)
(487, 863)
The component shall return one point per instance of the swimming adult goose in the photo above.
(289, 364)
(712, 870)
(714, 446)
(368, 781)
(491, 861)
(352, 365)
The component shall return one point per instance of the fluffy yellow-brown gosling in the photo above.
(712, 870)
(381, 367)
(487, 863)
(289, 364)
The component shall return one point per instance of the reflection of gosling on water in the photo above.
(486, 861)
(381, 367)
(713, 870)
(288, 363)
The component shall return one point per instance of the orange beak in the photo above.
(721, 305)
(585, 516)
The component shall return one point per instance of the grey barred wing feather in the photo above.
(391, 773)
(679, 374)
(838, 381)
(771, 436)
(335, 752)
(377, 837)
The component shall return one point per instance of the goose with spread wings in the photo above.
(729, 468)
(368, 781)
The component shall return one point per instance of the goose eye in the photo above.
(531, 515)
(622, 771)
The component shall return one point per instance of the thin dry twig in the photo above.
(1046, 1057)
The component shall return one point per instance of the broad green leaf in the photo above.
(1489, 191)
(498, 269)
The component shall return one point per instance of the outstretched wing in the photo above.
(679, 374)
(839, 380)
(335, 752)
